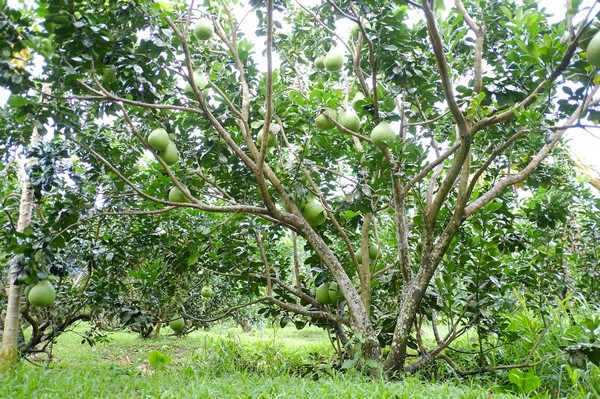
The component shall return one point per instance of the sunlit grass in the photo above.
(220, 363)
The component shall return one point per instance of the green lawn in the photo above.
(220, 363)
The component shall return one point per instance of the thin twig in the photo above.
(265, 261)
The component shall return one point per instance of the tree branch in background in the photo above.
(430, 167)
(265, 261)
(592, 175)
(479, 32)
(535, 161)
(309, 313)
(533, 96)
(266, 129)
(227, 313)
(245, 98)
(199, 205)
(316, 18)
(296, 261)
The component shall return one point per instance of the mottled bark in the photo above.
(360, 322)
(10, 338)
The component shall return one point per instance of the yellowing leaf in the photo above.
(20, 59)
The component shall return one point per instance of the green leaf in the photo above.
(493, 206)
(516, 377)
(193, 259)
(256, 124)
(531, 382)
(18, 101)
(349, 363)
(371, 363)
(522, 45)
(158, 359)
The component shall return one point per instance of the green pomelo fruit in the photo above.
(333, 60)
(206, 292)
(42, 294)
(177, 323)
(203, 29)
(357, 97)
(334, 292)
(382, 134)
(314, 213)
(159, 139)
(270, 142)
(373, 253)
(358, 255)
(199, 79)
(354, 29)
(28, 290)
(587, 35)
(320, 62)
(593, 50)
(323, 294)
(350, 120)
(110, 74)
(170, 155)
(323, 123)
(175, 195)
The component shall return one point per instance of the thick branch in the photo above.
(401, 230)
(260, 163)
(434, 207)
(296, 261)
(438, 50)
(363, 270)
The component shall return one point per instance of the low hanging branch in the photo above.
(224, 315)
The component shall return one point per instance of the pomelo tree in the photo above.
(478, 97)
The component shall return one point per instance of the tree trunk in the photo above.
(360, 322)
(411, 299)
(10, 338)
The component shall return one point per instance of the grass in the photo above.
(220, 363)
